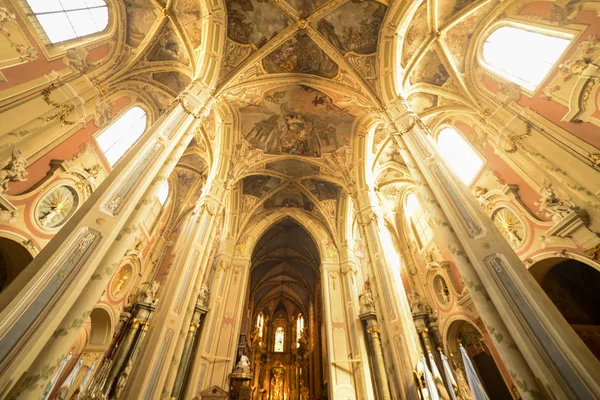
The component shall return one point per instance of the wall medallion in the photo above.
(441, 290)
(509, 225)
(121, 281)
(55, 208)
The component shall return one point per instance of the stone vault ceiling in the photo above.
(299, 75)
(334, 39)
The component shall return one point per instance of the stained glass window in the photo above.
(69, 19)
(260, 323)
(459, 155)
(523, 56)
(417, 219)
(279, 340)
(299, 328)
(115, 140)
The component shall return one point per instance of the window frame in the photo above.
(435, 138)
(122, 112)
(549, 30)
(53, 51)
(412, 225)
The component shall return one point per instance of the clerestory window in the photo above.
(115, 140)
(523, 56)
(70, 19)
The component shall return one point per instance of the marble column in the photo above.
(184, 365)
(358, 351)
(58, 290)
(369, 318)
(340, 383)
(532, 338)
(401, 343)
(129, 344)
(156, 370)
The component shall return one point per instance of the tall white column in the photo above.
(155, 369)
(522, 321)
(44, 308)
(401, 343)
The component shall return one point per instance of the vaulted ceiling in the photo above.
(285, 268)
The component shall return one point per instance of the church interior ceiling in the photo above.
(296, 120)
(436, 43)
(285, 265)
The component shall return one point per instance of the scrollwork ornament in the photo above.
(114, 203)
(14, 171)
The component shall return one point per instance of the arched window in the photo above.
(69, 19)
(157, 207)
(417, 220)
(115, 140)
(523, 56)
(279, 340)
(163, 193)
(460, 156)
(260, 324)
(299, 329)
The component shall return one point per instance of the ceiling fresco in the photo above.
(141, 15)
(289, 197)
(354, 27)
(296, 120)
(448, 9)
(253, 21)
(293, 168)
(300, 54)
(259, 185)
(172, 80)
(306, 7)
(321, 189)
(169, 48)
(430, 70)
(438, 41)
(415, 35)
(190, 15)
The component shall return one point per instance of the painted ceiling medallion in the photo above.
(57, 206)
(509, 225)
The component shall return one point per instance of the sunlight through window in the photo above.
(163, 193)
(418, 220)
(260, 323)
(523, 56)
(122, 134)
(460, 156)
(279, 337)
(69, 19)
(299, 329)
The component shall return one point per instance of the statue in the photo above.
(551, 205)
(255, 338)
(414, 299)
(15, 170)
(154, 290)
(203, 295)
(243, 365)
(303, 342)
(366, 302)
(122, 381)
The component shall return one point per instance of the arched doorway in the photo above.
(573, 287)
(465, 333)
(286, 339)
(13, 259)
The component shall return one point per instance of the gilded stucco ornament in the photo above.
(14, 171)
(553, 207)
(509, 225)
